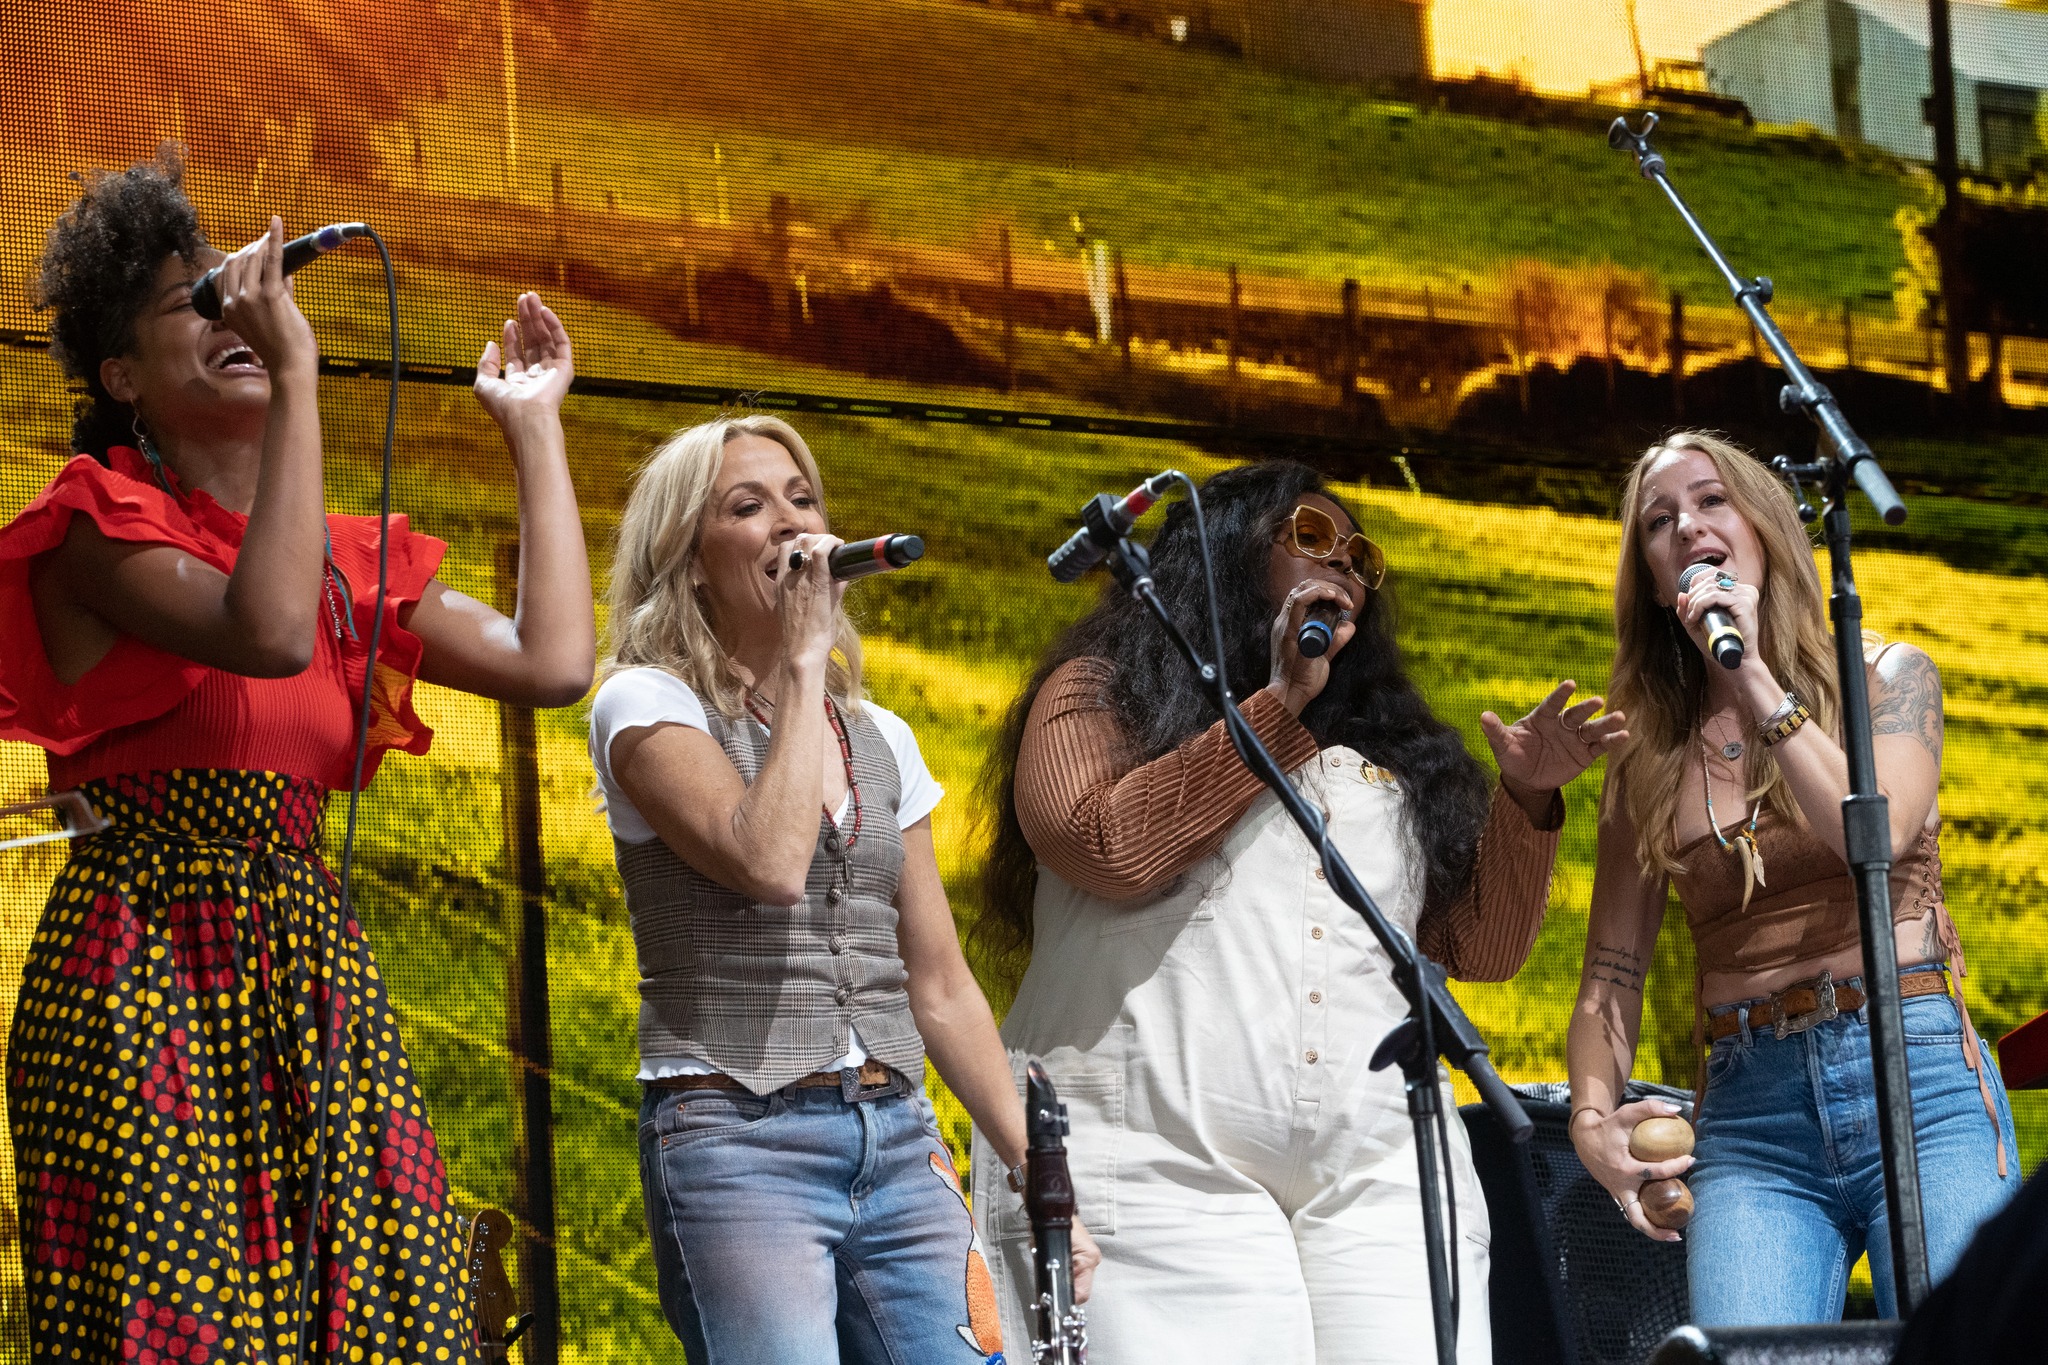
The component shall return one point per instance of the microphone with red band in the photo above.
(864, 557)
(1724, 641)
(299, 252)
(1105, 520)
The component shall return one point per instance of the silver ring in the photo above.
(1580, 730)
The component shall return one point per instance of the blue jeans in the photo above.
(1789, 1180)
(801, 1226)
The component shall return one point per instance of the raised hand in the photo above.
(1299, 680)
(256, 304)
(1742, 602)
(1553, 743)
(524, 374)
(808, 601)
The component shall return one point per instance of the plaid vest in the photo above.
(766, 993)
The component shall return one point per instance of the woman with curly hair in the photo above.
(221, 1151)
(1206, 1006)
(1732, 795)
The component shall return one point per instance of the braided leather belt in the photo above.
(1804, 1004)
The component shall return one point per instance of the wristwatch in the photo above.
(1013, 1176)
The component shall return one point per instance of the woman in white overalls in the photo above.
(1205, 1004)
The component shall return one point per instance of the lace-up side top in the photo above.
(1806, 910)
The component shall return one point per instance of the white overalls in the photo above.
(1251, 1181)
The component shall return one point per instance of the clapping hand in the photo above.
(526, 372)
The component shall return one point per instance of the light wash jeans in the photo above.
(803, 1227)
(1789, 1180)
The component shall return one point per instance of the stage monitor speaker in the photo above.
(1572, 1282)
(1825, 1343)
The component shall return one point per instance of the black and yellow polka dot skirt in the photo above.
(202, 1048)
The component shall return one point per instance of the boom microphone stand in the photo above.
(1436, 1024)
(1843, 457)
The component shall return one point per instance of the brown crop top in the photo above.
(1806, 908)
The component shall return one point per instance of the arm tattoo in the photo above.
(1911, 704)
(1616, 966)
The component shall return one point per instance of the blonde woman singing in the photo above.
(1731, 791)
(797, 952)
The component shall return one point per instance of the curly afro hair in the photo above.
(97, 271)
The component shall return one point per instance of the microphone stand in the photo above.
(1436, 1024)
(1843, 458)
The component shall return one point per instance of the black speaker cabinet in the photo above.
(1572, 1282)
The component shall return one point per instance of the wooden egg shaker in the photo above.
(1666, 1203)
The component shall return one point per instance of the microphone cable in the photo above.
(315, 1249)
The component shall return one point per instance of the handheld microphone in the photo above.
(1317, 634)
(299, 252)
(1104, 521)
(864, 557)
(1724, 641)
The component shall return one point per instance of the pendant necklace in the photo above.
(1732, 750)
(1744, 842)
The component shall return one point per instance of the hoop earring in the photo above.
(149, 453)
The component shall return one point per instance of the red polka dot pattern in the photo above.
(166, 1092)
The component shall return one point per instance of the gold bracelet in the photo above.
(1782, 730)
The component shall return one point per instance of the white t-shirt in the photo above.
(653, 696)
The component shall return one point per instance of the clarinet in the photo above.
(1060, 1329)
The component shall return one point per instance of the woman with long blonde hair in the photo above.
(1731, 792)
(797, 953)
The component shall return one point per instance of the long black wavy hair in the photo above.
(97, 272)
(1369, 704)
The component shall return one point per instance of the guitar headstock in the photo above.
(496, 1313)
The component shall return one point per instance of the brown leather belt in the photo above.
(1804, 1004)
(873, 1075)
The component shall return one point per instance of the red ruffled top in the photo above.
(141, 708)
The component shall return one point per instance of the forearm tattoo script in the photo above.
(1617, 967)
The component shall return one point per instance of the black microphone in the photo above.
(1316, 635)
(299, 252)
(1104, 521)
(864, 557)
(1724, 641)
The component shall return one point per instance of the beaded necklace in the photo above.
(1744, 841)
(845, 756)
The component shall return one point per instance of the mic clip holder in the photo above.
(1793, 473)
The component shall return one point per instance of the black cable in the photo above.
(348, 843)
(1235, 725)
(315, 1250)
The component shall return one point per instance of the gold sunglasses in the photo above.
(1311, 533)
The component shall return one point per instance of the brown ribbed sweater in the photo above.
(1119, 829)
